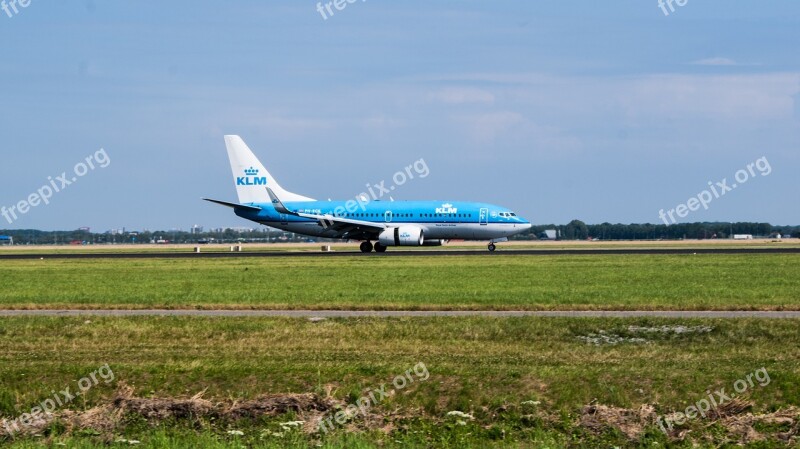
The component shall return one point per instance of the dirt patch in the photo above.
(734, 417)
(630, 422)
(278, 404)
(743, 426)
(106, 419)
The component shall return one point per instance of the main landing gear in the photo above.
(366, 247)
(492, 247)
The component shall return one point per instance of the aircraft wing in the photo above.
(345, 227)
(332, 222)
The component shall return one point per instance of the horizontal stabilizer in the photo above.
(234, 205)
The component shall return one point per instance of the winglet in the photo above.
(277, 204)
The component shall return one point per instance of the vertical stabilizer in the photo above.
(251, 178)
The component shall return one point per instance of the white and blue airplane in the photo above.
(387, 223)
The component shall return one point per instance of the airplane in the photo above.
(387, 223)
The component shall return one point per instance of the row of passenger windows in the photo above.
(395, 215)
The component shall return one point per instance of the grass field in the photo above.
(623, 282)
(524, 380)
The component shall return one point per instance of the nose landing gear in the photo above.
(492, 247)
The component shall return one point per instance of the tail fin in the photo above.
(251, 178)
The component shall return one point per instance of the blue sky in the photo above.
(601, 111)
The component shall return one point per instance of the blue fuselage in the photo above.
(439, 219)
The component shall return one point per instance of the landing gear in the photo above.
(492, 247)
(379, 248)
(366, 247)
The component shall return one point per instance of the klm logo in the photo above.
(447, 209)
(251, 178)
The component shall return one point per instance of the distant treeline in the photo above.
(574, 230)
(36, 237)
(578, 230)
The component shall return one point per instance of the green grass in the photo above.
(484, 366)
(625, 282)
(161, 438)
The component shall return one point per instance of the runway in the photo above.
(405, 313)
(402, 253)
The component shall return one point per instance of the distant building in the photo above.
(241, 229)
(743, 236)
(6, 240)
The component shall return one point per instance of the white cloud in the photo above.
(462, 95)
(487, 126)
(539, 140)
(380, 121)
(718, 98)
(725, 97)
(292, 125)
(718, 61)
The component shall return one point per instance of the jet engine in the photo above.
(402, 236)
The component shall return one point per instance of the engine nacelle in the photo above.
(402, 236)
